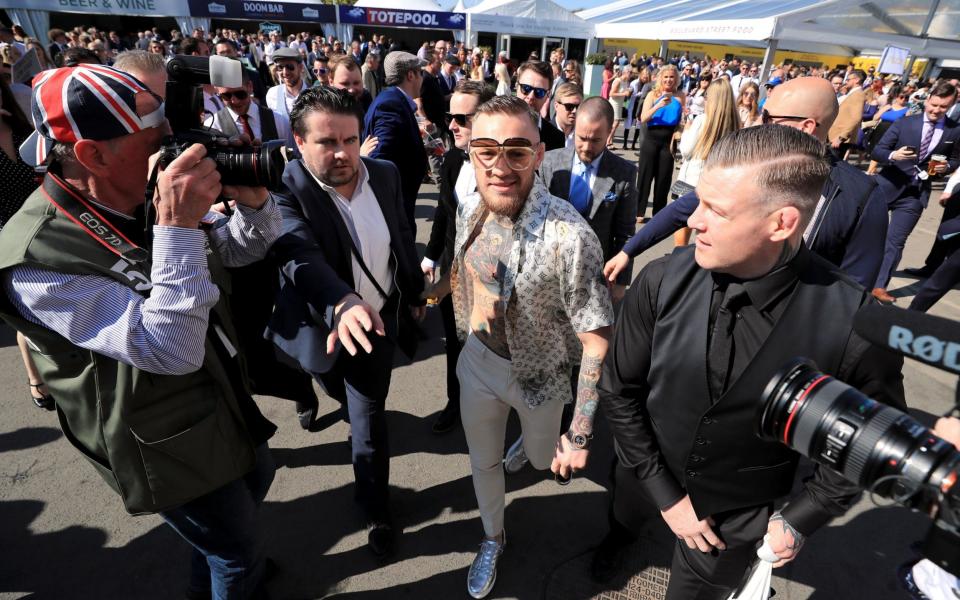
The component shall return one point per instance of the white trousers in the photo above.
(488, 390)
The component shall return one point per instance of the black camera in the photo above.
(244, 165)
(871, 444)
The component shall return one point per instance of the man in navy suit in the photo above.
(850, 224)
(392, 120)
(350, 282)
(904, 183)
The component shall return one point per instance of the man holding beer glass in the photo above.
(914, 149)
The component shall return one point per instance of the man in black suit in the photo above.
(698, 337)
(58, 43)
(599, 184)
(904, 183)
(534, 79)
(457, 179)
(350, 282)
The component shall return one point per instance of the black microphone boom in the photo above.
(931, 340)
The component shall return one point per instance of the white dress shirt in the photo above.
(277, 92)
(366, 224)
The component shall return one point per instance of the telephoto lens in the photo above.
(870, 444)
(254, 166)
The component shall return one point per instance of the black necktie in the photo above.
(720, 354)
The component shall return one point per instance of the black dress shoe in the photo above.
(448, 418)
(924, 271)
(608, 557)
(380, 538)
(306, 413)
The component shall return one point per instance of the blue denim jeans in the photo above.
(223, 530)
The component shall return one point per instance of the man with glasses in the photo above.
(321, 70)
(688, 81)
(228, 49)
(262, 124)
(846, 127)
(526, 271)
(568, 99)
(534, 78)
(737, 81)
(280, 98)
(457, 180)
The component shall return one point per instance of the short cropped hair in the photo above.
(594, 108)
(478, 89)
(324, 99)
(342, 60)
(943, 89)
(539, 67)
(565, 90)
(789, 166)
(140, 61)
(509, 105)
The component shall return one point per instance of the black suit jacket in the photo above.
(552, 137)
(316, 269)
(897, 179)
(444, 231)
(432, 99)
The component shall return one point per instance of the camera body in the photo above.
(249, 165)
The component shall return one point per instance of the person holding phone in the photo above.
(661, 113)
(904, 182)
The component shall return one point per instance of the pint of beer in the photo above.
(935, 161)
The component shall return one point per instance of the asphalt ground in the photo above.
(64, 534)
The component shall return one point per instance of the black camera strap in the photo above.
(83, 214)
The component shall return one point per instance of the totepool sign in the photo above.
(386, 17)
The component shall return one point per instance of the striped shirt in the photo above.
(165, 332)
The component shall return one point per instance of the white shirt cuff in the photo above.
(179, 245)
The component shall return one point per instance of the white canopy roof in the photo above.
(400, 4)
(538, 18)
(926, 27)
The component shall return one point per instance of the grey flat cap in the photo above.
(286, 53)
(400, 62)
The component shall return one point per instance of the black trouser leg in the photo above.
(946, 275)
(646, 168)
(938, 253)
(452, 351)
(664, 175)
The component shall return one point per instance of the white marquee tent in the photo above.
(535, 18)
(927, 27)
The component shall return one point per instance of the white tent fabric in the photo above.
(188, 24)
(400, 4)
(536, 18)
(35, 22)
(926, 27)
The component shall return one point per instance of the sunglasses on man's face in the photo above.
(538, 92)
(767, 118)
(569, 106)
(320, 70)
(238, 94)
(286, 66)
(518, 152)
(460, 119)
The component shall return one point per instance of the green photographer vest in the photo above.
(158, 440)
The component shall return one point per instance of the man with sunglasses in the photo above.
(240, 115)
(321, 70)
(457, 180)
(569, 96)
(526, 271)
(534, 78)
(280, 98)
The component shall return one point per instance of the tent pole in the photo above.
(664, 49)
(767, 66)
(908, 70)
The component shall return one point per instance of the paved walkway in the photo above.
(64, 534)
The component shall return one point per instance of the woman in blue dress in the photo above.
(661, 113)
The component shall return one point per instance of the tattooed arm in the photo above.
(785, 540)
(595, 345)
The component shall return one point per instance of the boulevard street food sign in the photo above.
(388, 17)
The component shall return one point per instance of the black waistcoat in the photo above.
(713, 450)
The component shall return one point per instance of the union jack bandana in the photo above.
(86, 102)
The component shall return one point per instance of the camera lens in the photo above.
(252, 165)
(871, 444)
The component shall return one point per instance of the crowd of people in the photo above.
(151, 343)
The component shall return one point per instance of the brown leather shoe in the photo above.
(883, 296)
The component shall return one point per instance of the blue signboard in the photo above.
(390, 17)
(261, 10)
